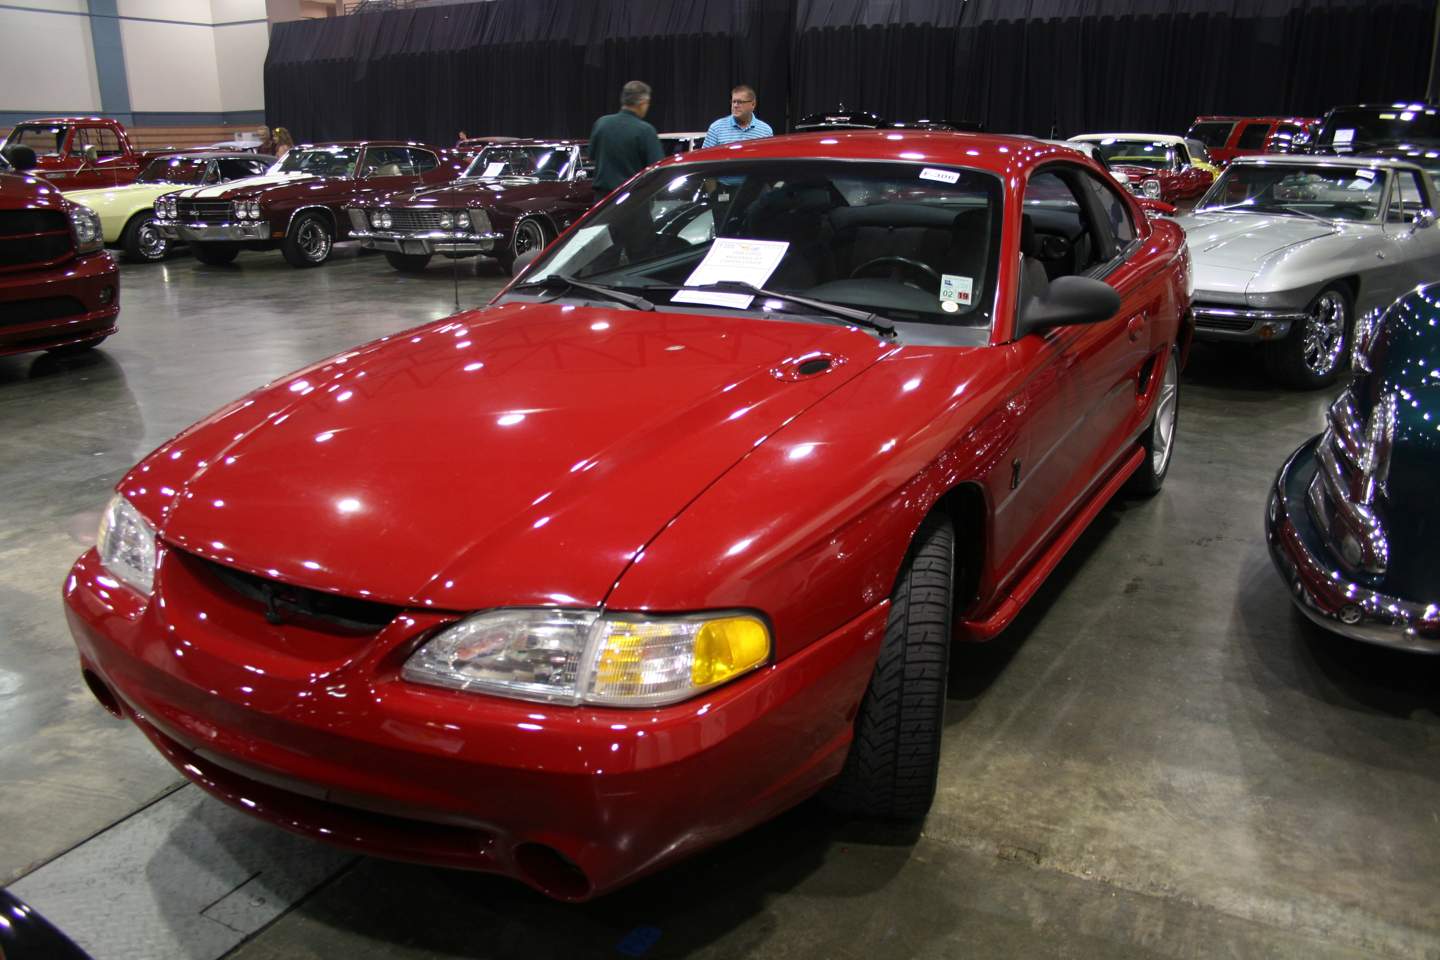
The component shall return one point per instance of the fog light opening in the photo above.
(551, 871)
(108, 700)
(106, 295)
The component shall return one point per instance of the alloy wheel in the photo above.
(313, 240)
(1323, 336)
(152, 245)
(529, 235)
(1165, 408)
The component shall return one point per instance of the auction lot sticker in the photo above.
(956, 289)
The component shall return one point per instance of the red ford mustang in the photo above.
(675, 533)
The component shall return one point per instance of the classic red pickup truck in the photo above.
(76, 153)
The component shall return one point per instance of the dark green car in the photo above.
(1354, 518)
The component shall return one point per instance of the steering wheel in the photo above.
(898, 266)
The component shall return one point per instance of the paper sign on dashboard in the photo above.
(493, 169)
(738, 260)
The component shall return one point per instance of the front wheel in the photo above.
(1159, 438)
(408, 262)
(1313, 355)
(894, 760)
(215, 254)
(142, 241)
(529, 235)
(309, 240)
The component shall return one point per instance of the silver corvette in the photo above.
(1288, 250)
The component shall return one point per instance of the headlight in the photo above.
(447, 220)
(1152, 189)
(383, 219)
(88, 235)
(127, 544)
(479, 221)
(578, 656)
(377, 218)
(253, 207)
(242, 211)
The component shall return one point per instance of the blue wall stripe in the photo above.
(94, 14)
(109, 57)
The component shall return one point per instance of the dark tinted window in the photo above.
(1212, 133)
(237, 168)
(1356, 129)
(1253, 136)
(423, 160)
(46, 141)
(1117, 214)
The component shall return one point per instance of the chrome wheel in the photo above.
(1163, 440)
(152, 245)
(529, 235)
(313, 240)
(1322, 338)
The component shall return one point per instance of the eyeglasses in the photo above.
(733, 102)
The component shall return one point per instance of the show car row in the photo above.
(891, 376)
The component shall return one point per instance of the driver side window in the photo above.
(1406, 198)
(1055, 227)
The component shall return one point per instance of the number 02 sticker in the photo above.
(956, 289)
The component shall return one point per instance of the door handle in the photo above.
(1135, 327)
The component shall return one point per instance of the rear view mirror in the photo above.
(1067, 301)
(1423, 219)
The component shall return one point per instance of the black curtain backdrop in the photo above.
(550, 67)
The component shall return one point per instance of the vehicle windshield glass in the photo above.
(902, 240)
(1335, 193)
(1136, 153)
(1212, 133)
(541, 163)
(174, 170)
(44, 138)
(320, 161)
(1356, 129)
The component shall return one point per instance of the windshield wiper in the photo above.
(559, 281)
(1284, 208)
(861, 318)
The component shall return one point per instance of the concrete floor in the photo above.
(1161, 759)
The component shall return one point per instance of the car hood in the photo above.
(248, 187)
(522, 454)
(1140, 173)
(1230, 249)
(23, 192)
(478, 193)
(103, 197)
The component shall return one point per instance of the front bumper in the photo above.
(77, 300)
(1242, 324)
(427, 243)
(1320, 589)
(320, 735)
(221, 231)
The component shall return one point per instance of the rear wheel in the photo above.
(215, 254)
(408, 262)
(1159, 438)
(894, 760)
(309, 241)
(141, 239)
(1313, 355)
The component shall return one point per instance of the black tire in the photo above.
(74, 349)
(529, 234)
(215, 254)
(408, 262)
(1158, 441)
(1317, 350)
(894, 760)
(309, 240)
(141, 241)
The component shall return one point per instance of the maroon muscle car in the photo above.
(298, 204)
(513, 198)
(59, 289)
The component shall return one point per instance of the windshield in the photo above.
(45, 139)
(1212, 133)
(1335, 193)
(1137, 153)
(320, 161)
(542, 163)
(902, 240)
(174, 170)
(1356, 129)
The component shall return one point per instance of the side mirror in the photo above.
(89, 154)
(21, 157)
(582, 174)
(1423, 219)
(1067, 301)
(1156, 208)
(522, 262)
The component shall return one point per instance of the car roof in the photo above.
(1153, 137)
(1325, 160)
(1225, 118)
(20, 123)
(982, 151)
(682, 136)
(214, 155)
(322, 144)
(538, 142)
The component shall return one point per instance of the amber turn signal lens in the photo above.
(729, 647)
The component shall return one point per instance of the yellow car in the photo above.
(127, 214)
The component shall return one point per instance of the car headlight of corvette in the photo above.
(88, 234)
(579, 656)
(127, 544)
(1151, 188)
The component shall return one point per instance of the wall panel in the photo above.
(171, 67)
(31, 46)
(240, 60)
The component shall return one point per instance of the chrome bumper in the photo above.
(1242, 324)
(1323, 592)
(427, 243)
(194, 231)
